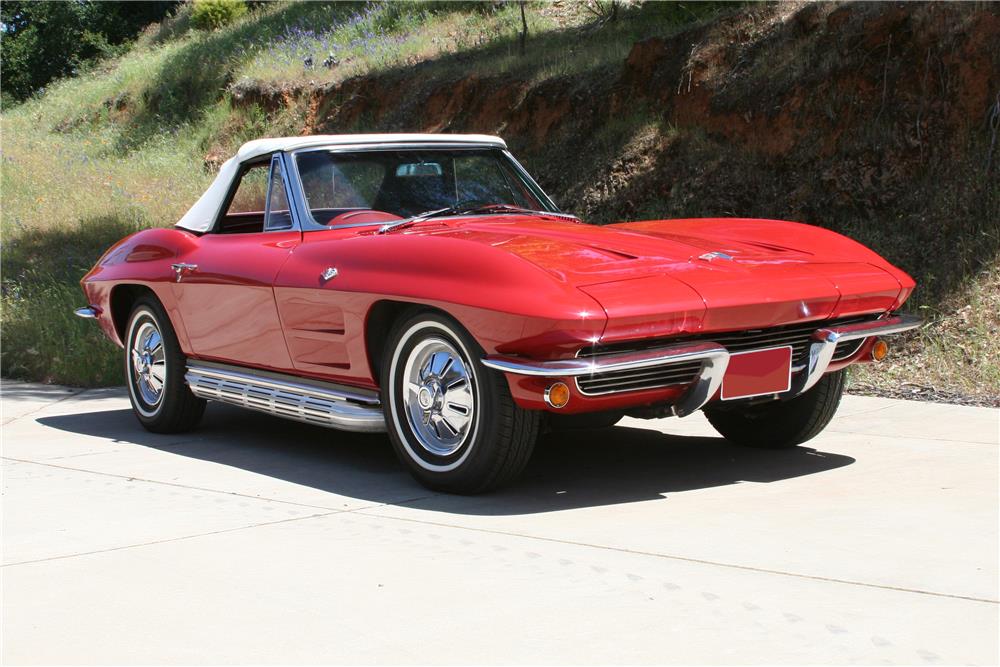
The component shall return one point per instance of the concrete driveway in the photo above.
(255, 540)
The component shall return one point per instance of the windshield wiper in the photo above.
(406, 222)
(462, 208)
(510, 208)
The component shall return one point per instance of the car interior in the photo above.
(369, 187)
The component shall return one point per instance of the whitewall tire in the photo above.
(451, 420)
(154, 372)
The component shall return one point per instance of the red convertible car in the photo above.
(425, 285)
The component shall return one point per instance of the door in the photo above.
(323, 321)
(225, 286)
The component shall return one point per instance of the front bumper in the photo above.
(88, 313)
(713, 358)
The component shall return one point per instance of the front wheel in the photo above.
(781, 424)
(154, 372)
(451, 421)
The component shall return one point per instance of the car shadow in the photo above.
(570, 469)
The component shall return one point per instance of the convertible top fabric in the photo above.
(202, 215)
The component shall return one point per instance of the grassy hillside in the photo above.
(876, 120)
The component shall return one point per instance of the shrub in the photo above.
(212, 14)
(43, 41)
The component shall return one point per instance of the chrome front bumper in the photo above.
(825, 342)
(88, 313)
(714, 360)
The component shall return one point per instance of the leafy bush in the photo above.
(212, 14)
(43, 339)
(46, 40)
(174, 25)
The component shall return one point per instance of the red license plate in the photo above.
(758, 373)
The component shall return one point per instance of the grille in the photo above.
(633, 380)
(798, 336)
(847, 348)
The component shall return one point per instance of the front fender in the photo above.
(508, 304)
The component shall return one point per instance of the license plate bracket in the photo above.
(758, 373)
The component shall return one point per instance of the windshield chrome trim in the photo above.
(532, 184)
(372, 148)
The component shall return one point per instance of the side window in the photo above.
(252, 191)
(278, 214)
(260, 202)
(246, 210)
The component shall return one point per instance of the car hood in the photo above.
(685, 276)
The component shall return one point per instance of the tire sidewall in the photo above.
(781, 425)
(144, 312)
(473, 454)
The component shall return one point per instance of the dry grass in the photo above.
(123, 147)
(956, 353)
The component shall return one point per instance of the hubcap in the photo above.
(149, 363)
(440, 404)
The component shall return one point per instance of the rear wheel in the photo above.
(154, 372)
(451, 421)
(781, 424)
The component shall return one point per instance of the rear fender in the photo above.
(140, 260)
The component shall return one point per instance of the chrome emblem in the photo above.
(715, 254)
(328, 274)
(179, 269)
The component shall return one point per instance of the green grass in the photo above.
(123, 146)
(42, 339)
(957, 352)
(132, 142)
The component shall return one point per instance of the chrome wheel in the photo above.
(438, 395)
(148, 363)
(452, 422)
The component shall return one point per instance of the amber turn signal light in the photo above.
(879, 350)
(557, 395)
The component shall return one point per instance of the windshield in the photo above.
(368, 187)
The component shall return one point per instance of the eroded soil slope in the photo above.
(878, 120)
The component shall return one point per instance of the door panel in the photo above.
(227, 302)
(322, 323)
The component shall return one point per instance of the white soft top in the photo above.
(200, 217)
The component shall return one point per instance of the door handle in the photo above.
(181, 267)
